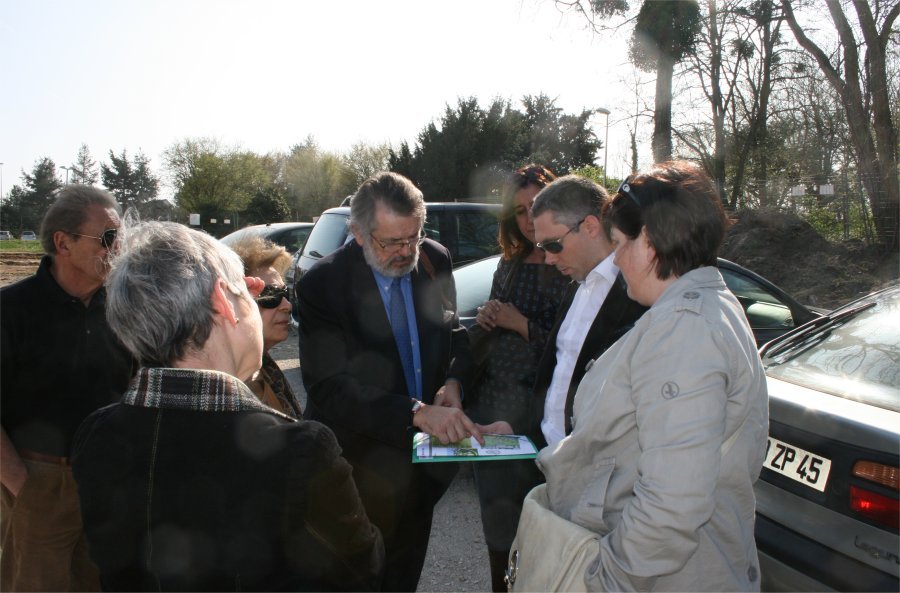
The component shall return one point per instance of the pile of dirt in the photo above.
(16, 265)
(787, 251)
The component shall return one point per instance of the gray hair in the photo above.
(70, 210)
(159, 289)
(394, 191)
(570, 199)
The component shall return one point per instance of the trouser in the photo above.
(400, 501)
(43, 543)
(502, 487)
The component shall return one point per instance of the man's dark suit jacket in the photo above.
(355, 385)
(616, 316)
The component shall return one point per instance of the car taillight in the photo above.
(886, 475)
(876, 506)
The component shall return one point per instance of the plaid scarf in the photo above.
(193, 389)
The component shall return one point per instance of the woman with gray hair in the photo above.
(190, 483)
(267, 261)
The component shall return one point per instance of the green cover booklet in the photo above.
(427, 448)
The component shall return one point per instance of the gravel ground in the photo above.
(457, 556)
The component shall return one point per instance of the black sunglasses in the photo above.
(271, 296)
(107, 238)
(555, 246)
(625, 188)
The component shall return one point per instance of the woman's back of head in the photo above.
(160, 286)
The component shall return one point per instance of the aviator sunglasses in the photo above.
(271, 296)
(107, 238)
(555, 246)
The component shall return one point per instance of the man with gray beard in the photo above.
(383, 356)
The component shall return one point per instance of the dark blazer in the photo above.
(185, 500)
(616, 316)
(355, 383)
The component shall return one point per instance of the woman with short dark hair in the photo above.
(670, 423)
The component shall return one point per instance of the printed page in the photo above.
(495, 446)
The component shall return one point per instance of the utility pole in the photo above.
(606, 112)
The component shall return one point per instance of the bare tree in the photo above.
(862, 84)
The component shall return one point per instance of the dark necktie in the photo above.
(400, 326)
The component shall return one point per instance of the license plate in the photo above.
(799, 465)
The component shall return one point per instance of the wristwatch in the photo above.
(417, 405)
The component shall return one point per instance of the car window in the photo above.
(473, 285)
(294, 239)
(432, 227)
(858, 360)
(328, 234)
(763, 309)
(476, 232)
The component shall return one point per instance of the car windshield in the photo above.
(853, 353)
(328, 234)
(473, 285)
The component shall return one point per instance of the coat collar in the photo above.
(199, 390)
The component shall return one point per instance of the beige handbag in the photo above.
(549, 553)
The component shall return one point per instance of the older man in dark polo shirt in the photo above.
(59, 362)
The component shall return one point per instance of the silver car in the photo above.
(827, 499)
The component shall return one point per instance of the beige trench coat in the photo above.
(644, 466)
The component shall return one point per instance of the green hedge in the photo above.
(17, 245)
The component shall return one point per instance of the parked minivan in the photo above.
(467, 229)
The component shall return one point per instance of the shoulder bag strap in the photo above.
(510, 276)
(429, 269)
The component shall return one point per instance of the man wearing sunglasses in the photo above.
(383, 355)
(594, 313)
(59, 361)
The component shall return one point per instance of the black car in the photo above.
(770, 310)
(467, 229)
(827, 499)
(291, 235)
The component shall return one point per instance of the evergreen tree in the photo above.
(131, 181)
(665, 32)
(146, 184)
(25, 206)
(85, 168)
(468, 153)
(119, 178)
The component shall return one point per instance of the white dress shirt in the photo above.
(588, 299)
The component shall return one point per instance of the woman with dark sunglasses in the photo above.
(524, 299)
(267, 261)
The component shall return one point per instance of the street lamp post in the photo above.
(67, 172)
(605, 111)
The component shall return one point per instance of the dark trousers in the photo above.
(401, 504)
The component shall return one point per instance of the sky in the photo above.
(265, 74)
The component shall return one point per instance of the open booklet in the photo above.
(427, 448)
